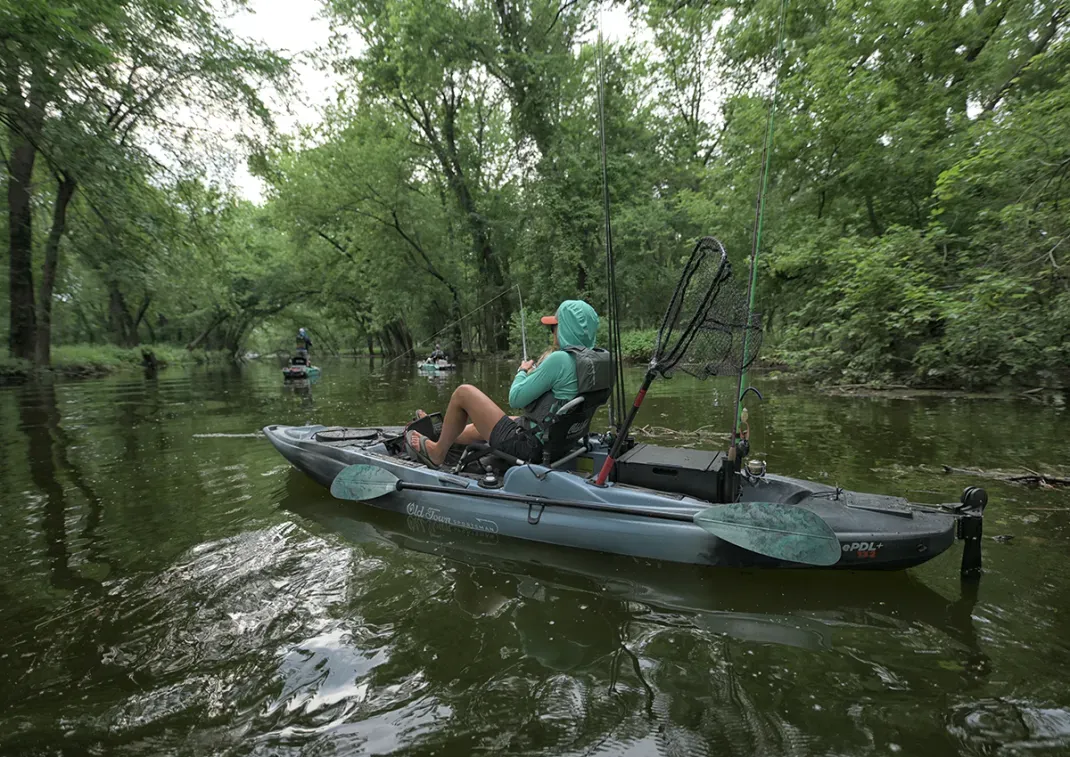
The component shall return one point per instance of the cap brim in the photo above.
(549, 320)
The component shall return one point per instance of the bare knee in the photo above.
(463, 392)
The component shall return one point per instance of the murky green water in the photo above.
(166, 591)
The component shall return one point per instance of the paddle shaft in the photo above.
(532, 500)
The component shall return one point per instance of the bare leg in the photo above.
(467, 403)
(470, 435)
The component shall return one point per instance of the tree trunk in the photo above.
(140, 317)
(874, 224)
(64, 193)
(89, 335)
(122, 325)
(20, 235)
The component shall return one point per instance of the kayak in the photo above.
(645, 512)
(436, 365)
(300, 371)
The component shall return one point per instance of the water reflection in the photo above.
(596, 633)
(50, 465)
(168, 585)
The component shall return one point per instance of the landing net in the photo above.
(706, 330)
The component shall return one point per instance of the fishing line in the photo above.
(255, 435)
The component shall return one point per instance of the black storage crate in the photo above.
(694, 472)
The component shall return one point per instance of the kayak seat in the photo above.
(298, 360)
(567, 435)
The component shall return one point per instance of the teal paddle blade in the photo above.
(780, 531)
(363, 482)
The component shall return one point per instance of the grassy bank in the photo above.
(75, 360)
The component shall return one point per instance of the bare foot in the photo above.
(432, 449)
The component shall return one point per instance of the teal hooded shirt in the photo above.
(577, 326)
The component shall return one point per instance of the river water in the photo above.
(168, 585)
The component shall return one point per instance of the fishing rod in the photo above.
(739, 433)
(523, 325)
(618, 399)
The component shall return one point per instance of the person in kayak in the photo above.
(538, 389)
(303, 342)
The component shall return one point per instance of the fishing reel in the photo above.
(739, 451)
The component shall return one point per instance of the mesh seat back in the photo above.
(570, 428)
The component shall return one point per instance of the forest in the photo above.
(917, 217)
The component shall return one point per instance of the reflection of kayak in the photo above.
(873, 531)
(300, 371)
(436, 365)
(789, 609)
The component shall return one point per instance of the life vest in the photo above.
(594, 372)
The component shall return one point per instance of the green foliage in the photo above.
(638, 344)
(13, 367)
(916, 225)
(111, 357)
(870, 306)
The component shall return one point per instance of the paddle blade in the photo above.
(363, 482)
(780, 531)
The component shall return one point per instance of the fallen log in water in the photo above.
(702, 433)
(1023, 477)
(1026, 476)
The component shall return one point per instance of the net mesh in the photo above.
(706, 330)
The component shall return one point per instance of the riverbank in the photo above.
(88, 361)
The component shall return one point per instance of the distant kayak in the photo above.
(300, 371)
(436, 365)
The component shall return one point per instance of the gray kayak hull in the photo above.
(872, 535)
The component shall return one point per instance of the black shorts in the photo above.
(513, 439)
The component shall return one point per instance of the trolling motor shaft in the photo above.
(970, 528)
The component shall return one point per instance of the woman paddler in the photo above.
(539, 389)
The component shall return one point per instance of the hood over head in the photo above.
(577, 324)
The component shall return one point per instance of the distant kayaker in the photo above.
(438, 354)
(303, 342)
(537, 389)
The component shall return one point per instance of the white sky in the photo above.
(294, 28)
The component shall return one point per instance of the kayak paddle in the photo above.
(782, 531)
(779, 531)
